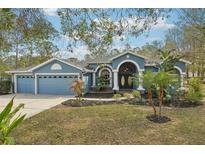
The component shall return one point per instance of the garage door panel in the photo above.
(55, 85)
(25, 84)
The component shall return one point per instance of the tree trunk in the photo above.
(31, 54)
(202, 72)
(150, 101)
(160, 100)
(16, 58)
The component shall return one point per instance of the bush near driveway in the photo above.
(5, 86)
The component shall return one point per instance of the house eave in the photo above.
(15, 72)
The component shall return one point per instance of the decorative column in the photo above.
(140, 87)
(94, 80)
(116, 86)
(36, 84)
(182, 81)
(15, 83)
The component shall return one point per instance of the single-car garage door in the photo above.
(25, 84)
(56, 84)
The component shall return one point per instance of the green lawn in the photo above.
(112, 124)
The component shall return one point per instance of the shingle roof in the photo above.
(101, 59)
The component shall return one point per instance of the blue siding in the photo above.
(25, 84)
(59, 86)
(93, 66)
(137, 59)
(65, 68)
(88, 83)
(152, 68)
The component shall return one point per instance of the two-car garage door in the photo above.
(47, 84)
(58, 84)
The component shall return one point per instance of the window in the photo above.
(105, 74)
(56, 67)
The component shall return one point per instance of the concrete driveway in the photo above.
(33, 103)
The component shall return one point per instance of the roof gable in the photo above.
(50, 61)
(128, 52)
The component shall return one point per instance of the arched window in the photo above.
(56, 67)
(106, 75)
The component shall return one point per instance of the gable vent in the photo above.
(56, 67)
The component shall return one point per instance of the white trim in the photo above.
(57, 74)
(115, 70)
(38, 74)
(180, 70)
(15, 83)
(116, 86)
(132, 61)
(185, 61)
(17, 72)
(110, 72)
(140, 87)
(104, 65)
(128, 53)
(49, 61)
(15, 80)
(36, 84)
(181, 75)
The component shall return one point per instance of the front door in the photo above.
(125, 81)
(125, 74)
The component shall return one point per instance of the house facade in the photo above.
(55, 75)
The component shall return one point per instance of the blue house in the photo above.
(56, 75)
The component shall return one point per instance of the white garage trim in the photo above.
(15, 80)
(38, 74)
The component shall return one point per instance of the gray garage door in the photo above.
(56, 84)
(25, 84)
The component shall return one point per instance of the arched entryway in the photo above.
(125, 74)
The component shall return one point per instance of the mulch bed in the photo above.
(75, 103)
(183, 103)
(132, 101)
(158, 119)
(98, 95)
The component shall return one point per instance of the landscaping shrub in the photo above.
(117, 96)
(127, 95)
(100, 84)
(9, 121)
(195, 90)
(5, 86)
(136, 94)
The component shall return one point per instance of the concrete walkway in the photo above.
(33, 103)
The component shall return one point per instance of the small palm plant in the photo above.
(162, 80)
(9, 121)
(77, 86)
(148, 83)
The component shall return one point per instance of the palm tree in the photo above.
(169, 59)
(77, 87)
(162, 80)
(148, 83)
